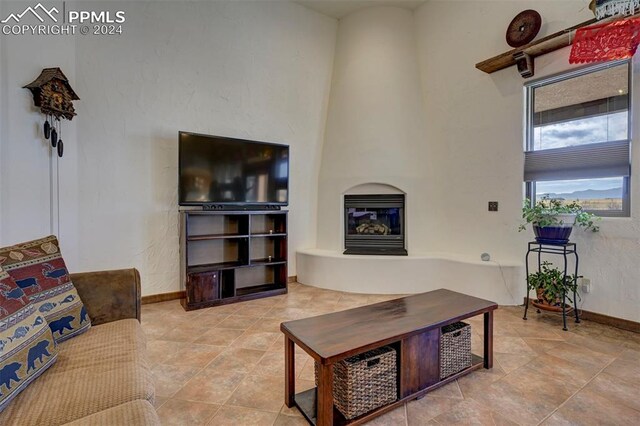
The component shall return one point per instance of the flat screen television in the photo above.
(227, 171)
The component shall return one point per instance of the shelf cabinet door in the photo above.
(420, 362)
(203, 287)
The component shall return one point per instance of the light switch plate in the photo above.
(493, 206)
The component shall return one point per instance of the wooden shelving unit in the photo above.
(539, 47)
(231, 256)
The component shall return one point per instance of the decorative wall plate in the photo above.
(523, 28)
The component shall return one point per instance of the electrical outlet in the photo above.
(493, 206)
(585, 285)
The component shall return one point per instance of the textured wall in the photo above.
(256, 70)
(375, 127)
(25, 164)
(476, 122)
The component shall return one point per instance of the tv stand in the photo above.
(231, 256)
(250, 207)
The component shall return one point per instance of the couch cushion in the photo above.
(100, 369)
(27, 347)
(39, 270)
(139, 412)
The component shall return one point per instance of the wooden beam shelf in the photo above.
(539, 47)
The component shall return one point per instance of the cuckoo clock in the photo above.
(53, 94)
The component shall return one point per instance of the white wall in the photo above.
(375, 129)
(256, 70)
(263, 70)
(476, 122)
(25, 161)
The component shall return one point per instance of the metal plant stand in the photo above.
(559, 249)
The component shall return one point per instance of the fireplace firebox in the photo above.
(374, 224)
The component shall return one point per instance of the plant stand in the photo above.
(560, 249)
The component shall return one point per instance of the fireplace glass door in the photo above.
(374, 224)
(373, 221)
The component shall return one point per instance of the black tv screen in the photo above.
(221, 170)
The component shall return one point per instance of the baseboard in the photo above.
(165, 297)
(605, 319)
(612, 321)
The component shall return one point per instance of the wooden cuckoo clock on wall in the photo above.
(53, 94)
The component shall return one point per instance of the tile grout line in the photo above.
(577, 391)
(406, 414)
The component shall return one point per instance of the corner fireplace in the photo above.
(374, 224)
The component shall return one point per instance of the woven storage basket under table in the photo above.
(364, 382)
(455, 348)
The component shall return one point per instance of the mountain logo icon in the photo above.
(33, 11)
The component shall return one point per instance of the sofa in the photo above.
(101, 377)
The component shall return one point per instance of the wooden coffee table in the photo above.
(410, 324)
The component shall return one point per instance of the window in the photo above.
(578, 138)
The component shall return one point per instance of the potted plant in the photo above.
(549, 284)
(553, 220)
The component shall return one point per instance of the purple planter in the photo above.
(552, 234)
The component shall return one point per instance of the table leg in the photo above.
(289, 372)
(325, 395)
(488, 339)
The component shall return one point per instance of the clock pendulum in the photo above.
(60, 143)
(47, 127)
(54, 134)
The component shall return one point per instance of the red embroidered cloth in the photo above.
(605, 42)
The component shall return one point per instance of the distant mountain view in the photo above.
(588, 194)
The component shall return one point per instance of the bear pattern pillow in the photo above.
(27, 347)
(39, 270)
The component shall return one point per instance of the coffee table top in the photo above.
(341, 334)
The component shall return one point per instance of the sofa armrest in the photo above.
(109, 295)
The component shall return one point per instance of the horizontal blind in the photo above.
(598, 160)
(582, 110)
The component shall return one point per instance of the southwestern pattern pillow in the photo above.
(39, 270)
(27, 347)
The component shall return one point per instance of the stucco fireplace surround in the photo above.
(375, 142)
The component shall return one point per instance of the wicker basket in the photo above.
(455, 348)
(364, 382)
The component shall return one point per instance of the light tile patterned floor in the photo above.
(225, 366)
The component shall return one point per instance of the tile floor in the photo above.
(225, 366)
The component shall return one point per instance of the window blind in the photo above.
(598, 160)
(582, 110)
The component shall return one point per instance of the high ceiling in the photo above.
(341, 8)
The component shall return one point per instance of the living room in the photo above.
(385, 98)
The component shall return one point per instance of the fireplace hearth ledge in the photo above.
(415, 273)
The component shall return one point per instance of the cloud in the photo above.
(580, 132)
(568, 133)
